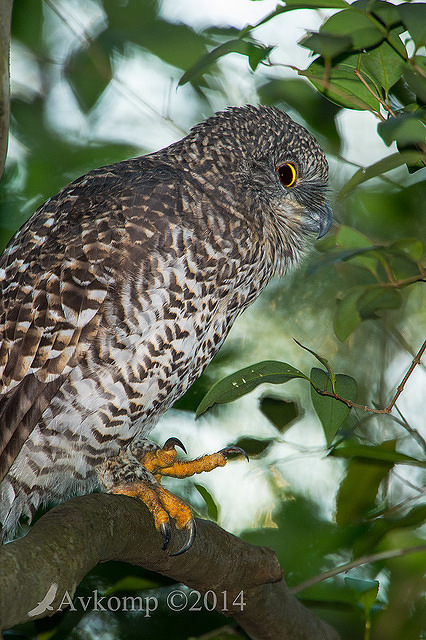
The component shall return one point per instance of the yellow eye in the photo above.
(287, 174)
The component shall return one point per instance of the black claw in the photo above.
(166, 532)
(171, 443)
(229, 450)
(191, 530)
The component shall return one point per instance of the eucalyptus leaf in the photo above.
(205, 62)
(376, 299)
(211, 505)
(254, 446)
(330, 411)
(328, 45)
(346, 315)
(89, 72)
(334, 257)
(342, 86)
(411, 247)
(408, 128)
(357, 494)
(317, 4)
(382, 166)
(366, 592)
(361, 27)
(383, 64)
(241, 382)
(413, 15)
(367, 452)
(386, 12)
(282, 413)
(416, 79)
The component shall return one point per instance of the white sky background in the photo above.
(146, 87)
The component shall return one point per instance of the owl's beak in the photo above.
(325, 220)
(321, 219)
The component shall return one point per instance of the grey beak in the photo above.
(324, 219)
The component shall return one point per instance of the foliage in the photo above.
(367, 56)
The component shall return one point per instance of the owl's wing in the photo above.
(54, 277)
(53, 281)
(56, 273)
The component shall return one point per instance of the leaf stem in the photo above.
(382, 102)
(399, 389)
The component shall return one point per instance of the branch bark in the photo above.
(5, 21)
(72, 538)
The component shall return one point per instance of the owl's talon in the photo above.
(148, 465)
(166, 532)
(171, 443)
(228, 450)
(191, 531)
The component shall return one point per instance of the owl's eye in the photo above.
(287, 174)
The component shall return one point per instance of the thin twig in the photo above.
(399, 389)
(374, 557)
(401, 386)
(413, 432)
(378, 98)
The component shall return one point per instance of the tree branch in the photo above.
(5, 19)
(72, 538)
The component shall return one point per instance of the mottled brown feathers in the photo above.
(119, 290)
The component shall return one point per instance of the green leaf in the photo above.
(176, 44)
(330, 411)
(242, 382)
(357, 494)
(384, 11)
(254, 446)
(350, 238)
(367, 452)
(27, 26)
(378, 298)
(258, 54)
(346, 315)
(365, 543)
(411, 247)
(366, 592)
(407, 128)
(282, 413)
(205, 62)
(89, 72)
(208, 499)
(416, 79)
(359, 26)
(384, 65)
(413, 15)
(327, 45)
(382, 166)
(342, 86)
(254, 51)
(362, 586)
(403, 267)
(323, 361)
(131, 583)
(317, 4)
(336, 256)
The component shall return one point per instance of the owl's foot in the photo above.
(139, 475)
(163, 506)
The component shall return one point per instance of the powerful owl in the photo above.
(118, 291)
